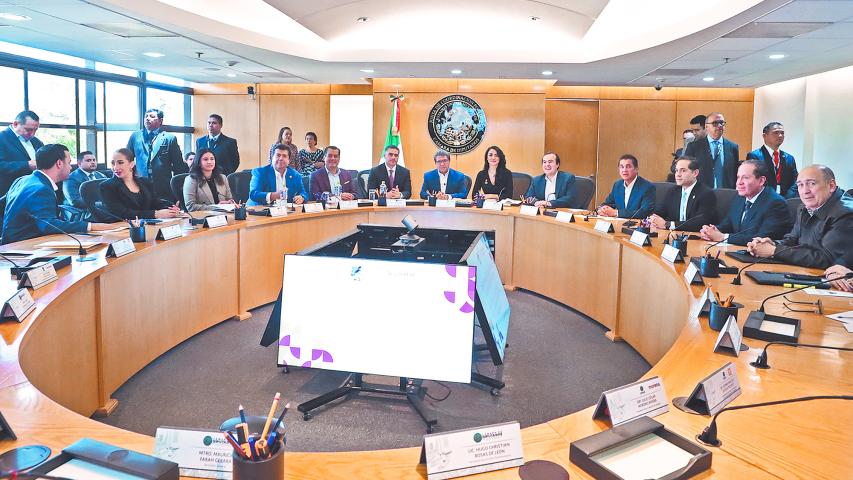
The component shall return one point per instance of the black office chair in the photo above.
(585, 188)
(794, 205)
(850, 192)
(177, 185)
(239, 182)
(725, 197)
(520, 183)
(2, 213)
(90, 192)
(661, 190)
(362, 181)
(306, 182)
(468, 183)
(358, 190)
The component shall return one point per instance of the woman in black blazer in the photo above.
(128, 196)
(495, 180)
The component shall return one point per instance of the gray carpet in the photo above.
(558, 362)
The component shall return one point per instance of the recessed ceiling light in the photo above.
(361, 19)
(456, 71)
(708, 79)
(367, 70)
(14, 17)
(154, 54)
(547, 72)
(232, 75)
(776, 56)
(212, 69)
(536, 19)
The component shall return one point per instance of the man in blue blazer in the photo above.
(718, 157)
(553, 188)
(158, 155)
(640, 201)
(87, 169)
(18, 145)
(321, 180)
(781, 165)
(31, 209)
(224, 147)
(757, 212)
(443, 182)
(269, 182)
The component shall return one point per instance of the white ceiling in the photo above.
(615, 42)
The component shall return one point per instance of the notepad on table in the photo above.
(648, 456)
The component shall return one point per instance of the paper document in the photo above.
(846, 319)
(66, 244)
(224, 207)
(777, 328)
(649, 456)
(828, 293)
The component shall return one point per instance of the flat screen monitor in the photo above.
(492, 305)
(381, 317)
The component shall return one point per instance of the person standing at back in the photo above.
(157, 154)
(783, 167)
(18, 145)
(223, 146)
(718, 157)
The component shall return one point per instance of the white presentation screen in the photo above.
(379, 317)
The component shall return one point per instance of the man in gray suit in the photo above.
(158, 155)
(87, 169)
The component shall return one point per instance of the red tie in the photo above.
(776, 164)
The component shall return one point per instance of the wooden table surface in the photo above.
(104, 320)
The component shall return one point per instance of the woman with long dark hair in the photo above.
(494, 180)
(206, 185)
(128, 196)
(285, 137)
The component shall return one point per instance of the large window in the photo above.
(88, 105)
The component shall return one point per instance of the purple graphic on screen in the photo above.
(296, 352)
(450, 296)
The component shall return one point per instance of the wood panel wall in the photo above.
(571, 129)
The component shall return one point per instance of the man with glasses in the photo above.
(443, 183)
(18, 145)
(718, 156)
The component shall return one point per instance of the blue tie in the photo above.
(718, 164)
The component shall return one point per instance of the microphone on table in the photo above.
(736, 280)
(81, 252)
(709, 435)
(678, 227)
(761, 360)
(724, 239)
(630, 222)
(824, 282)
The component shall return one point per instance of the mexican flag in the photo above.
(393, 135)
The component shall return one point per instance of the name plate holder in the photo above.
(493, 205)
(447, 203)
(702, 308)
(395, 202)
(215, 221)
(312, 207)
(169, 232)
(712, 393)
(644, 398)
(671, 254)
(348, 204)
(278, 211)
(604, 226)
(198, 453)
(565, 217)
(692, 275)
(18, 306)
(120, 248)
(640, 239)
(531, 210)
(472, 450)
(38, 277)
(730, 338)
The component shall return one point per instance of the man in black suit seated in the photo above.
(18, 145)
(224, 147)
(757, 212)
(823, 226)
(87, 169)
(781, 165)
(398, 182)
(718, 157)
(688, 206)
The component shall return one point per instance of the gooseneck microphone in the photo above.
(761, 360)
(736, 280)
(845, 277)
(725, 238)
(630, 222)
(709, 435)
(81, 252)
(678, 227)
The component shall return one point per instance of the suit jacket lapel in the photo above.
(17, 143)
(155, 145)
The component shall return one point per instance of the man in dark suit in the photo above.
(158, 155)
(443, 182)
(224, 147)
(397, 179)
(322, 180)
(757, 212)
(688, 206)
(553, 188)
(269, 183)
(632, 196)
(18, 145)
(87, 169)
(718, 157)
(781, 165)
(31, 206)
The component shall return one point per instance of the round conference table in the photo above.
(104, 320)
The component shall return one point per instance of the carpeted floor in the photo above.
(558, 362)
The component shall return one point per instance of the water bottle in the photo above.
(284, 195)
(336, 190)
(382, 189)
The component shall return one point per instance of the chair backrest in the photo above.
(90, 192)
(355, 178)
(362, 181)
(306, 182)
(794, 204)
(468, 183)
(2, 214)
(585, 187)
(239, 182)
(177, 185)
(661, 190)
(520, 183)
(725, 197)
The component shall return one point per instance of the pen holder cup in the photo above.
(681, 245)
(432, 201)
(709, 267)
(240, 213)
(382, 201)
(137, 234)
(719, 314)
(268, 468)
(480, 202)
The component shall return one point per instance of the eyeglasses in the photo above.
(815, 307)
(717, 123)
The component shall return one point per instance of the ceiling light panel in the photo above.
(775, 30)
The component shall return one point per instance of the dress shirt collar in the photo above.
(689, 189)
(770, 150)
(711, 140)
(52, 183)
(820, 211)
(752, 200)
(214, 137)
